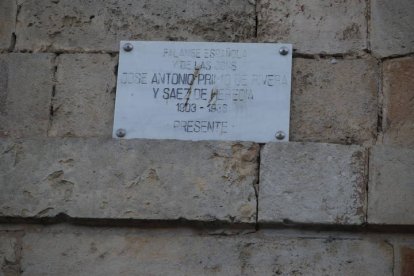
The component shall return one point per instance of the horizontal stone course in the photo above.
(74, 25)
(75, 250)
(334, 100)
(398, 90)
(314, 27)
(8, 10)
(392, 27)
(331, 101)
(312, 183)
(129, 179)
(391, 186)
(84, 99)
(26, 85)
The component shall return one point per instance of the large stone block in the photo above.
(137, 179)
(398, 89)
(9, 253)
(8, 9)
(334, 100)
(26, 84)
(100, 25)
(83, 251)
(391, 186)
(314, 26)
(312, 183)
(392, 27)
(84, 100)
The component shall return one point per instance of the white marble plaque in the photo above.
(203, 91)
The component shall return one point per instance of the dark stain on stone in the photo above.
(244, 257)
(407, 261)
(351, 32)
(152, 175)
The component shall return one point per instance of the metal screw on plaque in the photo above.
(128, 47)
(284, 50)
(120, 132)
(280, 135)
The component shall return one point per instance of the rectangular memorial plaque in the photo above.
(203, 91)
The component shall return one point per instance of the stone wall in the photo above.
(336, 200)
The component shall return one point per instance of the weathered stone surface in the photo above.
(334, 100)
(9, 254)
(392, 27)
(391, 186)
(312, 183)
(403, 253)
(84, 100)
(26, 84)
(407, 260)
(279, 255)
(83, 251)
(314, 26)
(8, 9)
(398, 89)
(139, 179)
(100, 25)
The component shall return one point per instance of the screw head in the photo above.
(280, 135)
(128, 47)
(284, 50)
(120, 132)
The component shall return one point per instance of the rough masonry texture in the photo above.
(392, 28)
(398, 90)
(391, 187)
(338, 199)
(179, 252)
(312, 183)
(100, 25)
(9, 253)
(138, 179)
(326, 105)
(314, 27)
(334, 100)
(8, 10)
(84, 100)
(26, 85)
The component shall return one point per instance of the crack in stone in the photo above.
(52, 108)
(256, 186)
(368, 30)
(14, 33)
(380, 104)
